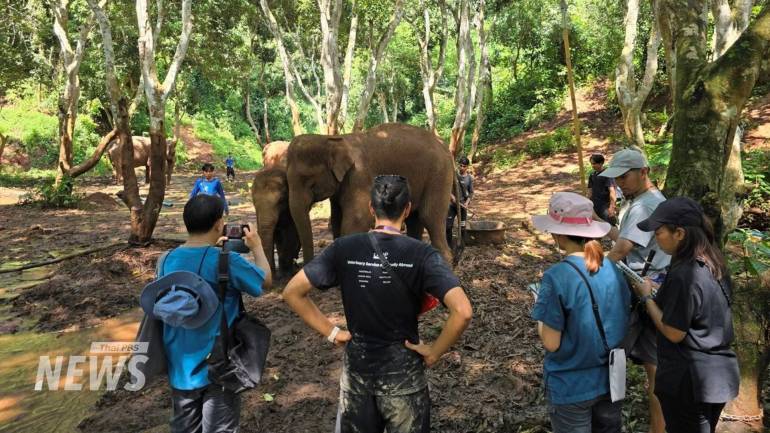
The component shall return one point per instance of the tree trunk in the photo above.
(630, 97)
(383, 106)
(571, 82)
(348, 65)
(483, 85)
(330, 20)
(68, 102)
(95, 156)
(464, 69)
(376, 57)
(3, 140)
(750, 308)
(704, 160)
(265, 121)
(249, 118)
(429, 75)
(275, 30)
(156, 94)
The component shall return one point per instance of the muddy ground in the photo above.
(489, 382)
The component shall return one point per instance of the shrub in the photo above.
(48, 195)
(560, 140)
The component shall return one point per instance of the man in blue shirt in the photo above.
(209, 185)
(230, 163)
(196, 405)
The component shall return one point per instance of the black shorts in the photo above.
(230, 171)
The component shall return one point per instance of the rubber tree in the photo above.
(705, 164)
(429, 72)
(375, 59)
(631, 95)
(145, 216)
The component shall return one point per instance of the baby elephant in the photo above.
(270, 195)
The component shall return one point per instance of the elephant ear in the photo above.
(340, 160)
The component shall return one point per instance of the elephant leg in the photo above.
(414, 226)
(335, 220)
(435, 221)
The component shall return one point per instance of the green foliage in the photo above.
(503, 159)
(247, 154)
(34, 130)
(26, 178)
(755, 246)
(48, 195)
(560, 140)
(756, 171)
(658, 156)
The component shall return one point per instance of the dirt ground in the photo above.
(489, 382)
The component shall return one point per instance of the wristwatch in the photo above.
(332, 338)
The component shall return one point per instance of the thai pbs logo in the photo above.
(104, 365)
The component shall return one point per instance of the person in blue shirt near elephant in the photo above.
(209, 185)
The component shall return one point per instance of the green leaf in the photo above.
(268, 397)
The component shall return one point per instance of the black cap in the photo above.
(464, 160)
(678, 211)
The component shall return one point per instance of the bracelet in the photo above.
(332, 338)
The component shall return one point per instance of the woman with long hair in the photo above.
(697, 370)
(581, 311)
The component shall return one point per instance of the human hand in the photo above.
(221, 241)
(426, 350)
(644, 288)
(342, 338)
(251, 238)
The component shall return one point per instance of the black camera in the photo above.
(235, 234)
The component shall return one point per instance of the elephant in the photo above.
(343, 167)
(141, 157)
(274, 154)
(270, 196)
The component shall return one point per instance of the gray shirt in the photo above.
(633, 212)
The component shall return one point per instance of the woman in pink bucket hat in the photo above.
(581, 312)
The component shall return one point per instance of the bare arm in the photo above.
(460, 313)
(296, 295)
(613, 200)
(254, 242)
(621, 248)
(550, 337)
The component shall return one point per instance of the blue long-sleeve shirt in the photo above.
(209, 187)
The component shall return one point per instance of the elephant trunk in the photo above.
(266, 231)
(299, 205)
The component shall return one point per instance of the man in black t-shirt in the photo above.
(602, 191)
(465, 180)
(383, 383)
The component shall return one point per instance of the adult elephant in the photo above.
(270, 195)
(274, 154)
(141, 157)
(342, 167)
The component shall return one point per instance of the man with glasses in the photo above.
(631, 172)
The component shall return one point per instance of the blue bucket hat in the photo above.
(181, 299)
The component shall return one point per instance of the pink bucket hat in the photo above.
(570, 214)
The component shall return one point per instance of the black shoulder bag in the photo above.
(238, 357)
(617, 356)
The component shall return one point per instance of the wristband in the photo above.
(333, 335)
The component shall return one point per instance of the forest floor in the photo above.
(490, 382)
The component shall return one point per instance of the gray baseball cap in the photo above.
(623, 161)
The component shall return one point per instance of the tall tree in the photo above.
(705, 163)
(484, 85)
(429, 73)
(286, 62)
(330, 12)
(145, 216)
(375, 58)
(68, 101)
(347, 68)
(631, 95)
(465, 91)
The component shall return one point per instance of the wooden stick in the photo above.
(575, 120)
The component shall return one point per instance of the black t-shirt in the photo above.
(378, 311)
(466, 185)
(600, 190)
(694, 302)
